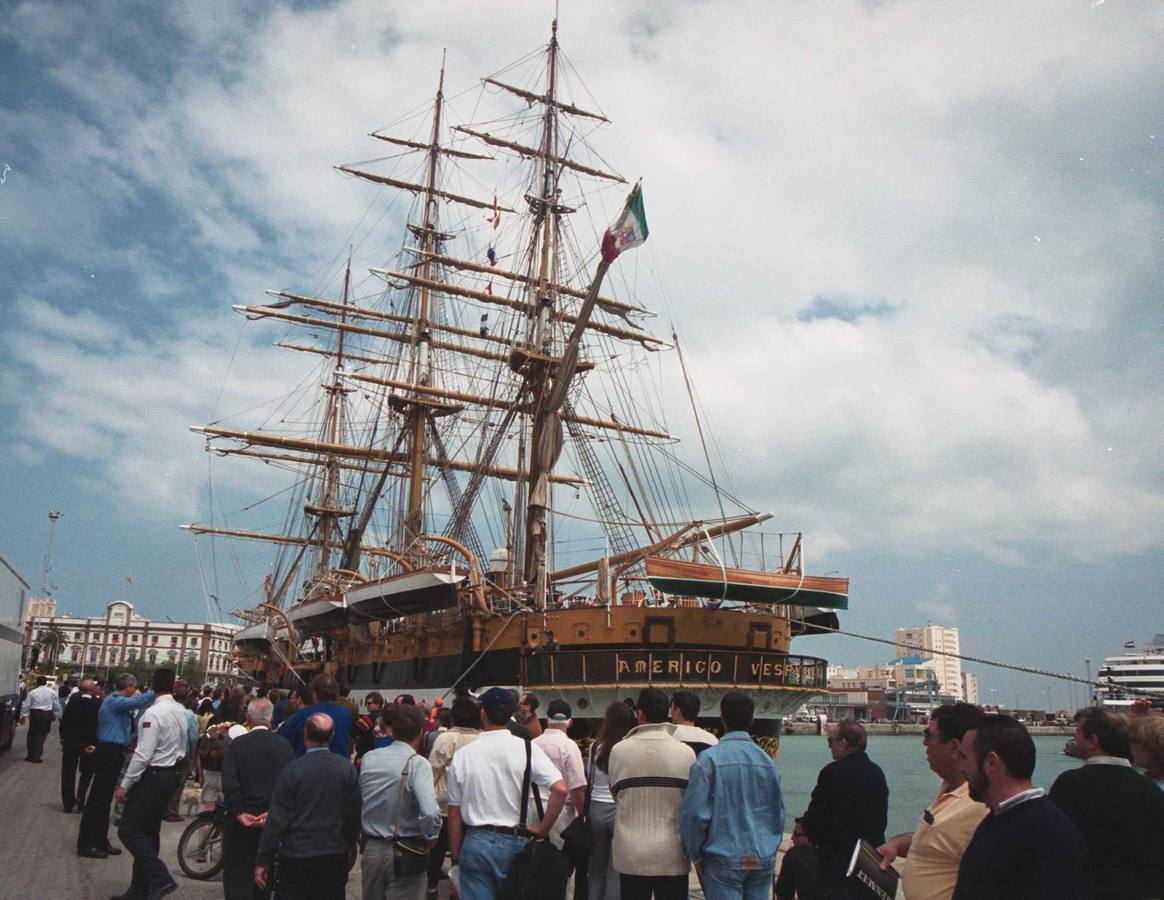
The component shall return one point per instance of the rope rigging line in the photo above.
(702, 439)
(1026, 670)
(283, 657)
(482, 654)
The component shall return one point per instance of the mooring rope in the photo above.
(1027, 670)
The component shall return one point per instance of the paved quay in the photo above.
(39, 840)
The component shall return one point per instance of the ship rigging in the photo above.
(479, 414)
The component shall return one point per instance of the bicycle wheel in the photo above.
(200, 849)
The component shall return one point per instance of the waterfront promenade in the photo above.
(43, 839)
(39, 840)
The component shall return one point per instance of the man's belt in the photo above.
(161, 768)
(389, 840)
(515, 830)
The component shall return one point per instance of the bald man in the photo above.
(313, 821)
(78, 744)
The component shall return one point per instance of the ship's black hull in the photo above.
(592, 678)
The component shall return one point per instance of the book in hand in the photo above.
(865, 878)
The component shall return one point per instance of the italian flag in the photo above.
(629, 231)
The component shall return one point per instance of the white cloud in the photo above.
(118, 403)
(907, 442)
(880, 153)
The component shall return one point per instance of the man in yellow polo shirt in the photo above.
(932, 853)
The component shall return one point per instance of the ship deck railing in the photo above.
(748, 669)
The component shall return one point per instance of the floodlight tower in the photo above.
(47, 566)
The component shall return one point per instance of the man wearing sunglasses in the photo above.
(850, 801)
(934, 851)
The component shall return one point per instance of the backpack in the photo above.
(211, 751)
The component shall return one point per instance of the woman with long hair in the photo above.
(600, 874)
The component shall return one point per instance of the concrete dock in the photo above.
(39, 840)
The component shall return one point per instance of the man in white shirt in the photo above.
(684, 711)
(485, 814)
(41, 708)
(149, 781)
(567, 759)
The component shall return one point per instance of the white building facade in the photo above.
(121, 638)
(932, 642)
(970, 687)
(41, 607)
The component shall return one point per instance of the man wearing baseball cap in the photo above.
(485, 782)
(567, 759)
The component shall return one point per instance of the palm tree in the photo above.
(51, 643)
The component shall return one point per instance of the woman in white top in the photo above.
(601, 877)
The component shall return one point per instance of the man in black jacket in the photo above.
(250, 766)
(1119, 813)
(78, 744)
(313, 821)
(850, 801)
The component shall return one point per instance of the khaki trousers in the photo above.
(380, 883)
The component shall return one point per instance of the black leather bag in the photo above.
(409, 855)
(576, 837)
(540, 870)
(576, 841)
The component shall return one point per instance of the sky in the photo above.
(914, 252)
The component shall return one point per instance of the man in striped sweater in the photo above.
(649, 769)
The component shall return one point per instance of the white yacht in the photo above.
(1134, 675)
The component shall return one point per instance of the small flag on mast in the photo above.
(1130, 645)
(630, 230)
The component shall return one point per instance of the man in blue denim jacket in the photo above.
(732, 820)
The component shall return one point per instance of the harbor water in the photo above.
(912, 786)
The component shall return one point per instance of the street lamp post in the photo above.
(1090, 689)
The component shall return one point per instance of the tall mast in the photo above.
(328, 507)
(421, 373)
(538, 499)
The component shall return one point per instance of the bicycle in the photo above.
(200, 846)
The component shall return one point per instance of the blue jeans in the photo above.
(723, 880)
(485, 859)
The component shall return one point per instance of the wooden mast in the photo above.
(421, 374)
(538, 499)
(329, 509)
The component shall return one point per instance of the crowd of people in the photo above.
(306, 781)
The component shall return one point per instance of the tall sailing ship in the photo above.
(489, 493)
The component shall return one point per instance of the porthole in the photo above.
(582, 703)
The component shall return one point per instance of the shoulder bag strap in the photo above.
(525, 785)
(400, 799)
(589, 783)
